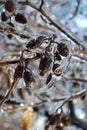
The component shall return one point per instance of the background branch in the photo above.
(74, 96)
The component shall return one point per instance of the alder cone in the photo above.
(34, 43)
(3, 16)
(28, 76)
(59, 128)
(18, 72)
(44, 64)
(47, 127)
(10, 6)
(63, 49)
(20, 18)
(66, 120)
(56, 119)
(57, 56)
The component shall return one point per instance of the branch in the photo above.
(58, 25)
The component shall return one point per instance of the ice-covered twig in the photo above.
(29, 60)
(74, 96)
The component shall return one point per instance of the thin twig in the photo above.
(9, 102)
(75, 96)
(82, 57)
(7, 80)
(41, 4)
(29, 60)
(39, 26)
(75, 79)
(8, 94)
(11, 54)
(58, 25)
(76, 9)
(13, 32)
